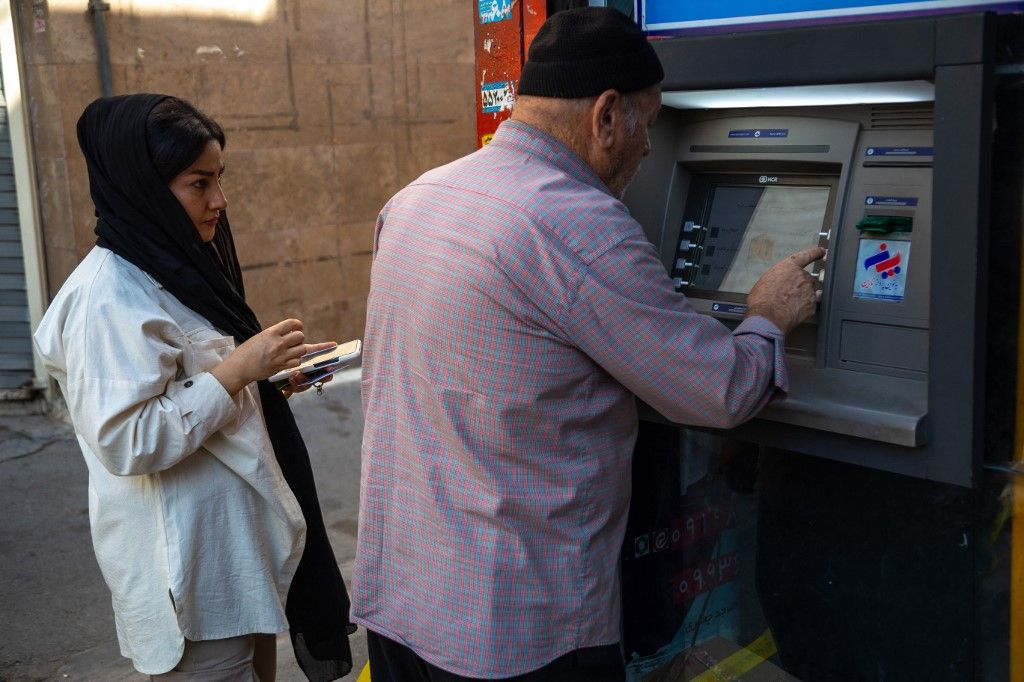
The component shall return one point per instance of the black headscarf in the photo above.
(139, 219)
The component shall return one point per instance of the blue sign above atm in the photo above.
(674, 17)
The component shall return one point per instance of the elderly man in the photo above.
(515, 312)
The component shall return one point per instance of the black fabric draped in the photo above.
(139, 219)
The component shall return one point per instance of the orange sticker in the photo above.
(486, 139)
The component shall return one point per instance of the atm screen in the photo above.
(747, 228)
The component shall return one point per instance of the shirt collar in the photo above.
(525, 138)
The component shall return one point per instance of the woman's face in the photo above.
(199, 191)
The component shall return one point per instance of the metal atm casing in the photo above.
(895, 386)
(827, 541)
(859, 367)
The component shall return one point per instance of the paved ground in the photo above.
(56, 622)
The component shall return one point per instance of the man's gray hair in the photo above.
(631, 106)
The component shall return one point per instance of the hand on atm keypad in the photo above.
(785, 294)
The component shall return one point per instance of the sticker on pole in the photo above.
(495, 97)
(494, 10)
(882, 269)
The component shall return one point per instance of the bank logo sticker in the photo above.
(494, 10)
(883, 267)
(496, 97)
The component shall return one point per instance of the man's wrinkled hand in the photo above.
(785, 294)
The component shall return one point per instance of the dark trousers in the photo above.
(394, 662)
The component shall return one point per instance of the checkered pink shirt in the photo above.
(515, 312)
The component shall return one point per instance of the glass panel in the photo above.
(762, 564)
(751, 228)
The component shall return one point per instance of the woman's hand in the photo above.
(296, 384)
(272, 350)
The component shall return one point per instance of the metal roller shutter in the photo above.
(16, 368)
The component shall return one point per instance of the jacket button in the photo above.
(188, 384)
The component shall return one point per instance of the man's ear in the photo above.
(604, 117)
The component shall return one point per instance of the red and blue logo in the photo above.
(884, 263)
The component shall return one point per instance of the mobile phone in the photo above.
(321, 363)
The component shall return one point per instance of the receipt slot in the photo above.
(887, 374)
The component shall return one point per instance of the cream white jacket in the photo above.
(195, 530)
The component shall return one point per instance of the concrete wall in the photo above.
(330, 106)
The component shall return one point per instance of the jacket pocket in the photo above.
(204, 350)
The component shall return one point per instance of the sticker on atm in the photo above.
(882, 269)
(890, 201)
(899, 151)
(760, 132)
(729, 308)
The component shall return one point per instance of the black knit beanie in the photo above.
(583, 52)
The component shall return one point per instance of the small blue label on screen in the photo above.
(760, 132)
(890, 201)
(899, 151)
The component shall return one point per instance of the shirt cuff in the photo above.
(205, 406)
(763, 327)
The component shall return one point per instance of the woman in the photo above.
(204, 514)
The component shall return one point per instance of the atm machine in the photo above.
(749, 188)
(857, 529)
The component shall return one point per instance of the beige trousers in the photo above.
(249, 658)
